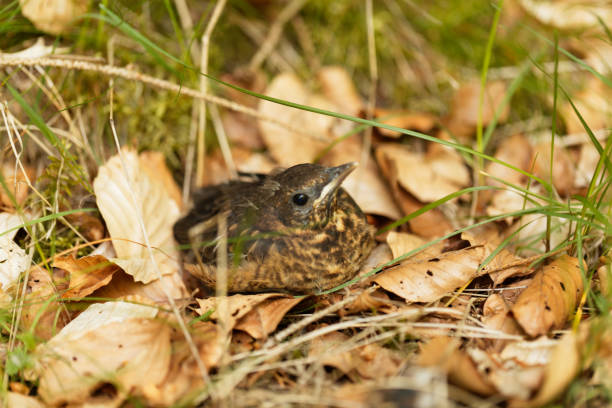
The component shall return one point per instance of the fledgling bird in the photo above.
(295, 231)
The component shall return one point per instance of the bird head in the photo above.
(306, 193)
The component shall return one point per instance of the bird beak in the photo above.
(336, 177)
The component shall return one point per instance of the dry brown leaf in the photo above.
(568, 14)
(431, 224)
(516, 151)
(263, 320)
(86, 274)
(131, 354)
(444, 353)
(241, 129)
(402, 242)
(593, 103)
(490, 239)
(16, 400)
(497, 316)
(603, 273)
(90, 226)
(419, 121)
(113, 342)
(53, 16)
(430, 280)
(338, 87)
(551, 298)
(465, 107)
(122, 202)
(154, 165)
(239, 306)
(369, 361)
(122, 285)
(13, 259)
(561, 369)
(511, 379)
(41, 305)
(17, 184)
(429, 177)
(286, 147)
(530, 352)
(563, 167)
(587, 163)
(246, 161)
(184, 377)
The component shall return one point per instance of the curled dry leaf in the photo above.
(264, 318)
(17, 183)
(123, 202)
(246, 161)
(551, 298)
(419, 121)
(568, 14)
(497, 316)
(100, 314)
(183, 377)
(593, 103)
(53, 16)
(17, 400)
(238, 307)
(339, 88)
(89, 225)
(464, 113)
(530, 352)
(122, 285)
(430, 280)
(131, 354)
(511, 380)
(516, 151)
(402, 243)
(444, 353)
(587, 163)
(154, 165)
(86, 274)
(369, 361)
(563, 173)
(500, 267)
(561, 369)
(42, 310)
(286, 147)
(427, 177)
(241, 129)
(13, 259)
(36, 50)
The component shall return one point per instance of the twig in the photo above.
(132, 75)
(223, 143)
(201, 145)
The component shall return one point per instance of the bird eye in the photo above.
(300, 199)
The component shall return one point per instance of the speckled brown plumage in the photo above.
(276, 242)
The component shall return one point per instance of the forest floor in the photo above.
(482, 132)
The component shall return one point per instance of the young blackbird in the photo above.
(294, 231)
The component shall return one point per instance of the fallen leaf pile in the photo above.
(483, 292)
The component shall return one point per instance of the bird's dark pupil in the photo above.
(300, 199)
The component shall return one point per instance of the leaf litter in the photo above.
(478, 308)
